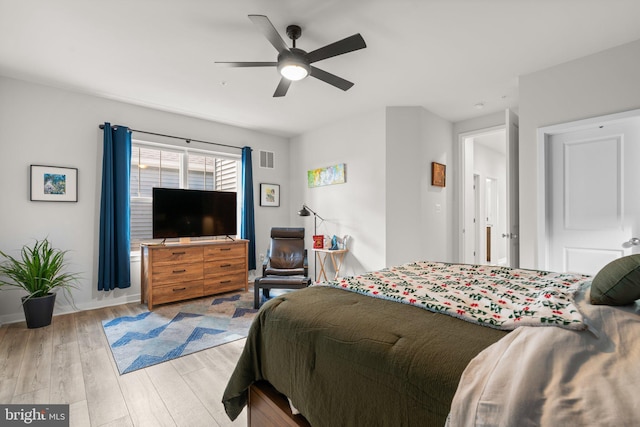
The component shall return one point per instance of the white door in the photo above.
(513, 202)
(593, 196)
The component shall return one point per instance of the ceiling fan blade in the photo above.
(269, 31)
(282, 88)
(246, 64)
(355, 42)
(332, 79)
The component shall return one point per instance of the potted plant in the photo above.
(40, 272)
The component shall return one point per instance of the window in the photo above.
(161, 166)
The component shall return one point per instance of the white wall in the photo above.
(387, 205)
(418, 216)
(48, 126)
(357, 207)
(404, 194)
(483, 122)
(596, 85)
(437, 214)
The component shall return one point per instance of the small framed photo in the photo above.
(438, 174)
(269, 195)
(54, 184)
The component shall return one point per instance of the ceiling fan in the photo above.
(295, 64)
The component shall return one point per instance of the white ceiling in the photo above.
(444, 55)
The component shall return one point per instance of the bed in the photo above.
(422, 344)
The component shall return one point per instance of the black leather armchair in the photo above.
(285, 265)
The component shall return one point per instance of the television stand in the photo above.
(180, 271)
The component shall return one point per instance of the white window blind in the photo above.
(155, 166)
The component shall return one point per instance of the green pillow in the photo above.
(617, 283)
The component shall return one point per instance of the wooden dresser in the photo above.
(175, 272)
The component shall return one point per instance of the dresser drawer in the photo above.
(177, 292)
(176, 273)
(229, 282)
(224, 251)
(169, 255)
(224, 267)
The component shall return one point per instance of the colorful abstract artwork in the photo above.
(327, 176)
(55, 183)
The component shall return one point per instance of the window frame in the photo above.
(184, 170)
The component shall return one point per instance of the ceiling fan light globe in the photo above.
(293, 65)
(294, 72)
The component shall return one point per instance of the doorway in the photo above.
(485, 198)
(495, 252)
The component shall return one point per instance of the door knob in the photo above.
(634, 241)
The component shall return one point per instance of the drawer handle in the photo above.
(180, 271)
(225, 249)
(179, 289)
(225, 281)
(178, 253)
(225, 265)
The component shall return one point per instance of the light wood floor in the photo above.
(70, 362)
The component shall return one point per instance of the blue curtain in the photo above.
(114, 270)
(247, 222)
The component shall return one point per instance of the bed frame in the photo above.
(268, 408)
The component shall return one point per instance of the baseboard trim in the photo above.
(66, 308)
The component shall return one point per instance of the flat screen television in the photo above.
(193, 213)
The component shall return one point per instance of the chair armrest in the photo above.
(306, 264)
(265, 261)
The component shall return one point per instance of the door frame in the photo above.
(462, 190)
(544, 135)
(477, 248)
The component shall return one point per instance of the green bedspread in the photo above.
(345, 359)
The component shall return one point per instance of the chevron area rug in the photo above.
(157, 336)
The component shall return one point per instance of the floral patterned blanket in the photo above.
(498, 297)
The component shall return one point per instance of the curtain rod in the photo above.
(187, 140)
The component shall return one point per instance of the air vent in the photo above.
(266, 159)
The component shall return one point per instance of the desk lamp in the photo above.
(307, 211)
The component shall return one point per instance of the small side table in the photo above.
(337, 257)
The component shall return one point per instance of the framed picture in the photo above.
(54, 184)
(269, 195)
(438, 174)
(329, 175)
